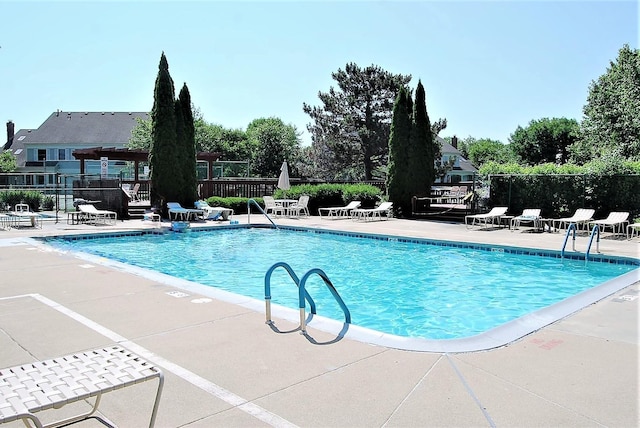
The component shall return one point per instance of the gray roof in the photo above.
(86, 128)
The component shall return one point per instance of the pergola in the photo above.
(133, 155)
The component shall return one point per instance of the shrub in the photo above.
(48, 202)
(10, 198)
(238, 205)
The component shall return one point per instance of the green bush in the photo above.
(320, 195)
(9, 198)
(48, 202)
(331, 195)
(238, 205)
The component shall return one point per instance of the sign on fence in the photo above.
(104, 167)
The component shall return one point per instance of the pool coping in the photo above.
(502, 335)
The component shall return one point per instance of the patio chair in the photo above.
(617, 220)
(582, 216)
(213, 213)
(177, 212)
(492, 216)
(531, 215)
(270, 206)
(96, 216)
(299, 208)
(373, 213)
(339, 212)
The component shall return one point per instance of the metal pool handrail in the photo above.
(302, 292)
(593, 232)
(267, 289)
(252, 201)
(572, 226)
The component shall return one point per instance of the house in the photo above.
(49, 148)
(462, 171)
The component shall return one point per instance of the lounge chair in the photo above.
(177, 212)
(373, 213)
(96, 216)
(22, 212)
(492, 216)
(531, 215)
(5, 222)
(339, 212)
(270, 206)
(617, 220)
(582, 216)
(299, 208)
(213, 213)
(632, 229)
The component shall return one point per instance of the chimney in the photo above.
(10, 133)
(454, 142)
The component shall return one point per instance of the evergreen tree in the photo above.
(421, 148)
(398, 177)
(181, 157)
(351, 128)
(163, 139)
(189, 147)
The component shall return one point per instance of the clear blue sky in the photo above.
(487, 66)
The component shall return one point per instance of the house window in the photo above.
(62, 154)
(42, 154)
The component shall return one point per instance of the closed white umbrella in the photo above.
(283, 180)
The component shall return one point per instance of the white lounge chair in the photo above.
(22, 212)
(177, 212)
(5, 222)
(492, 216)
(213, 213)
(339, 212)
(373, 213)
(531, 215)
(299, 208)
(582, 216)
(96, 216)
(616, 219)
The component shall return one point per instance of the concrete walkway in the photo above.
(225, 367)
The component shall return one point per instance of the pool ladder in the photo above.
(573, 228)
(303, 294)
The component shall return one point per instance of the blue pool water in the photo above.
(404, 287)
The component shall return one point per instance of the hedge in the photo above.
(320, 195)
(9, 199)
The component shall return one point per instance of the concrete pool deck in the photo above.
(224, 367)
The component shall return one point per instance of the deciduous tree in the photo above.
(611, 121)
(272, 142)
(545, 140)
(8, 162)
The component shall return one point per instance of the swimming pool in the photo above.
(407, 287)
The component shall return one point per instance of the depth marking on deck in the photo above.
(194, 379)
